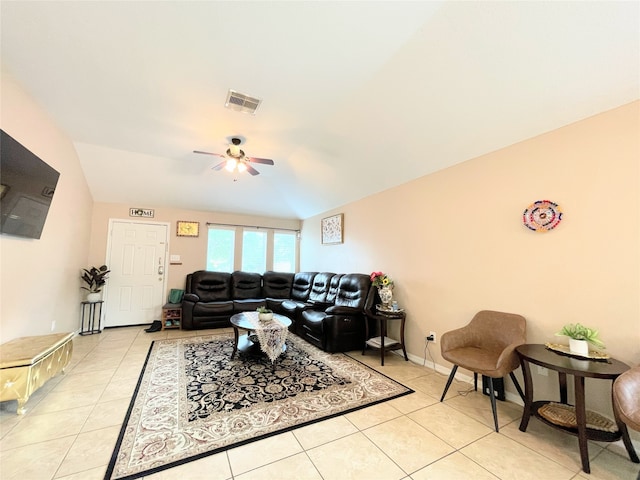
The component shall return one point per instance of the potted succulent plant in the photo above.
(264, 314)
(94, 278)
(580, 337)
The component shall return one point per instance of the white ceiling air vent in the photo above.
(241, 102)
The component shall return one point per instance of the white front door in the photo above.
(136, 288)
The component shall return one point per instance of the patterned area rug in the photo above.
(193, 400)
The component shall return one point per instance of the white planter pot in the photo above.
(581, 347)
(93, 297)
(265, 317)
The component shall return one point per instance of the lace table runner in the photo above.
(272, 334)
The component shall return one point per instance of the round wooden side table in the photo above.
(580, 368)
(383, 343)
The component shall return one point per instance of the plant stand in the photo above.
(91, 310)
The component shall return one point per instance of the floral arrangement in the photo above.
(379, 279)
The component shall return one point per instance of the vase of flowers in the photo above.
(95, 278)
(384, 283)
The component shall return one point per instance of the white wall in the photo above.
(40, 279)
(454, 241)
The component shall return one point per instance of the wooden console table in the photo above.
(580, 369)
(26, 363)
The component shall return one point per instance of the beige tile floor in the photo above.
(72, 423)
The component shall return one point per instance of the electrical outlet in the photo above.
(53, 325)
(431, 337)
(543, 371)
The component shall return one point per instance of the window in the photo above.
(251, 249)
(220, 249)
(284, 251)
(254, 250)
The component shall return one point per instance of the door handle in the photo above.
(160, 270)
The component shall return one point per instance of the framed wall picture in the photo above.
(333, 229)
(187, 229)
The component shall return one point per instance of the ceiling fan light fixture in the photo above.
(234, 151)
(231, 164)
(235, 159)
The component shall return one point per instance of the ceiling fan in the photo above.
(236, 160)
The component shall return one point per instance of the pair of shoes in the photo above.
(156, 326)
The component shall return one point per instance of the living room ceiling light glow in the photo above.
(231, 164)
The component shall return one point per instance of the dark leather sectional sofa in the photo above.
(326, 309)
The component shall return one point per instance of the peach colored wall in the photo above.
(40, 279)
(192, 250)
(454, 241)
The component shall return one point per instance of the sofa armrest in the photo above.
(342, 310)
(191, 297)
(318, 305)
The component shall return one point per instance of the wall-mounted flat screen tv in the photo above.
(28, 185)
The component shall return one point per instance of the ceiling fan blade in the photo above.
(209, 153)
(219, 166)
(252, 170)
(265, 161)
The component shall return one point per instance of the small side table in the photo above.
(89, 312)
(579, 369)
(171, 315)
(384, 343)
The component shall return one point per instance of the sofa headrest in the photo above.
(333, 287)
(277, 284)
(302, 283)
(320, 287)
(211, 286)
(246, 285)
(353, 290)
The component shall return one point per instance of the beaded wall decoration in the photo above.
(542, 216)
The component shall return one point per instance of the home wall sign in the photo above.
(141, 212)
(542, 216)
(333, 229)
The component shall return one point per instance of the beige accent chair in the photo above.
(486, 346)
(626, 402)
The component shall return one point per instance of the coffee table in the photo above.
(273, 332)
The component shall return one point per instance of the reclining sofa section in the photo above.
(326, 309)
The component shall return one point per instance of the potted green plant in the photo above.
(94, 278)
(580, 337)
(264, 314)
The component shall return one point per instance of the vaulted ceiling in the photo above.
(357, 97)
